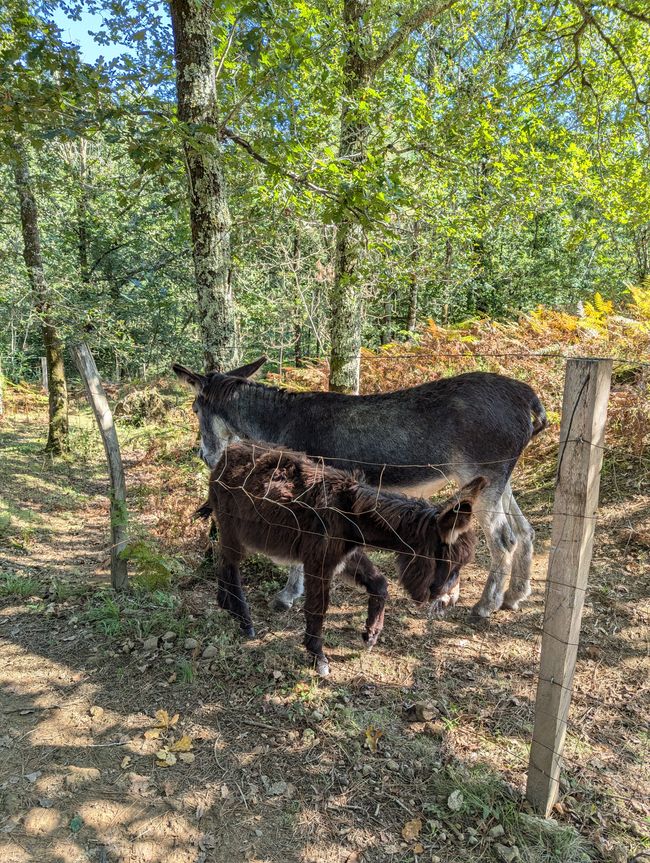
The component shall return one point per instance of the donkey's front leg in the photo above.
(362, 572)
(318, 579)
(293, 589)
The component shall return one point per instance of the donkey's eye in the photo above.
(195, 407)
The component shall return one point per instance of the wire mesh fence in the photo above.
(604, 727)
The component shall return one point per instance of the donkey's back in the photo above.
(416, 439)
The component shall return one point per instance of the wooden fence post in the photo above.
(582, 431)
(99, 403)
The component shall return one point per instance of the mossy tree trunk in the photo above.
(361, 64)
(209, 211)
(57, 438)
(346, 294)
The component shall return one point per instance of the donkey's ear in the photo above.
(469, 491)
(190, 378)
(455, 515)
(248, 370)
(454, 519)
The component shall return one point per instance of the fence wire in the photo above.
(574, 767)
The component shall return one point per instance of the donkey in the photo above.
(412, 440)
(294, 509)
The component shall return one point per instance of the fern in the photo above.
(640, 305)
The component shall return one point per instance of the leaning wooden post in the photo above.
(97, 399)
(582, 431)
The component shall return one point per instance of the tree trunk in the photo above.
(82, 214)
(57, 438)
(209, 212)
(360, 64)
(298, 313)
(412, 314)
(346, 297)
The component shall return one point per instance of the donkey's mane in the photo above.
(397, 511)
(220, 388)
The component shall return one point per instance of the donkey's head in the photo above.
(216, 434)
(450, 546)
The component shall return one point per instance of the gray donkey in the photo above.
(412, 441)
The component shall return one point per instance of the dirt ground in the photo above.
(120, 744)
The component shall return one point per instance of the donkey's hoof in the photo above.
(279, 603)
(321, 666)
(439, 607)
(512, 601)
(479, 617)
(510, 604)
(371, 638)
(248, 631)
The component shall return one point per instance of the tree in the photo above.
(361, 64)
(209, 211)
(57, 438)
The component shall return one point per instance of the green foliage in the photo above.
(504, 167)
(22, 586)
(154, 570)
(140, 407)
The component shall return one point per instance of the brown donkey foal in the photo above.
(294, 510)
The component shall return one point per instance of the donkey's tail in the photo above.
(204, 511)
(540, 420)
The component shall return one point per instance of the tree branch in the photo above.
(292, 175)
(645, 19)
(589, 18)
(413, 22)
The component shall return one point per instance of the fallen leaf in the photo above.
(152, 733)
(225, 791)
(372, 735)
(184, 744)
(163, 720)
(277, 789)
(187, 757)
(411, 830)
(165, 758)
(455, 801)
(418, 848)
(125, 762)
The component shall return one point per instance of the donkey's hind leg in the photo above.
(230, 593)
(318, 580)
(519, 586)
(294, 588)
(501, 540)
(359, 570)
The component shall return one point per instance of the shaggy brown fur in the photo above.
(292, 509)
